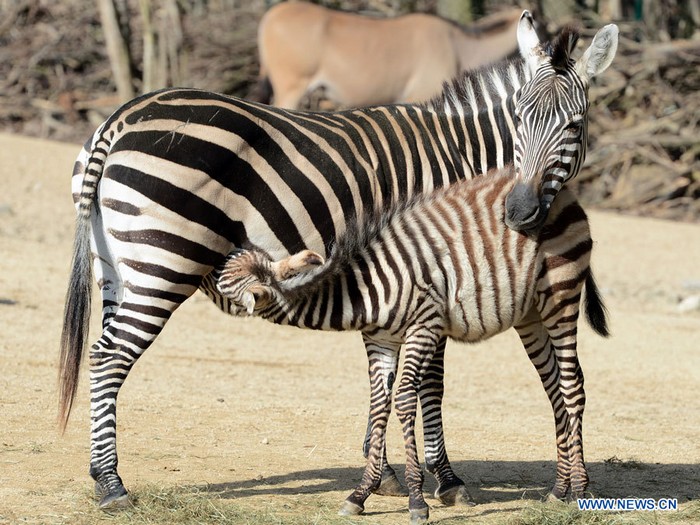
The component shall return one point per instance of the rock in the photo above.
(689, 304)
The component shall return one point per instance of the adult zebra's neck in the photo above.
(481, 104)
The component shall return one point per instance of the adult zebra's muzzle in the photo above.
(524, 210)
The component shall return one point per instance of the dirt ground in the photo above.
(272, 418)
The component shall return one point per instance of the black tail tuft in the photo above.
(76, 320)
(596, 313)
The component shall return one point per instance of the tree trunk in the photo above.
(117, 50)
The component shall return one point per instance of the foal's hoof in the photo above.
(553, 498)
(350, 509)
(456, 496)
(390, 486)
(419, 516)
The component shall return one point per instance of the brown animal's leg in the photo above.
(318, 99)
(562, 330)
(383, 358)
(540, 350)
(420, 347)
(451, 489)
(288, 95)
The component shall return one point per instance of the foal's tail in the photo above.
(596, 313)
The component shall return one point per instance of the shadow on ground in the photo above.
(495, 481)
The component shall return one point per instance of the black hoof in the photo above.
(455, 496)
(350, 509)
(390, 486)
(118, 499)
(419, 516)
(111, 493)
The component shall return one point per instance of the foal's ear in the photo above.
(256, 295)
(600, 53)
(529, 43)
(248, 300)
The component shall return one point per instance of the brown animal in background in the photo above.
(355, 60)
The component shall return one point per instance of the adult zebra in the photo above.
(173, 181)
(443, 265)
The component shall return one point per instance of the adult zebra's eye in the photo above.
(574, 127)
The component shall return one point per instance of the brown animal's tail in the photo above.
(596, 313)
(262, 91)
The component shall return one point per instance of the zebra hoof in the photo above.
(456, 496)
(112, 500)
(419, 516)
(350, 509)
(390, 486)
(553, 498)
(115, 501)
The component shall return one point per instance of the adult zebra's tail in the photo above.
(76, 313)
(596, 313)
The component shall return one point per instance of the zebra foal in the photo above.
(444, 265)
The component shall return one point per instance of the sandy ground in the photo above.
(273, 417)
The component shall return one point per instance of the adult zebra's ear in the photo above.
(529, 43)
(599, 54)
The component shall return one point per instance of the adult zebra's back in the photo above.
(173, 181)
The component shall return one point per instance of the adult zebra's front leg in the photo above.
(451, 489)
(383, 361)
(420, 348)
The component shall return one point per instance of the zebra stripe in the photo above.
(186, 176)
(468, 281)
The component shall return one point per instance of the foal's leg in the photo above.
(420, 347)
(383, 358)
(451, 489)
(562, 330)
(540, 350)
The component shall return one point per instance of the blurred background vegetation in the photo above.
(65, 66)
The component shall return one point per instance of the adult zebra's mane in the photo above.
(479, 84)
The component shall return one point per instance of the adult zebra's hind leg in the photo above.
(127, 334)
(451, 489)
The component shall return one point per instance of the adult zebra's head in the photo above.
(551, 118)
